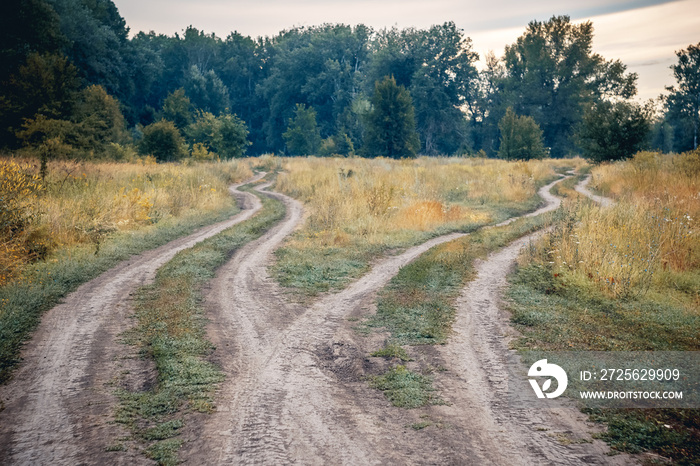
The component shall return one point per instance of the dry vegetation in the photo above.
(84, 203)
(649, 240)
(623, 278)
(358, 208)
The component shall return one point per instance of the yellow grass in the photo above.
(649, 237)
(379, 197)
(85, 202)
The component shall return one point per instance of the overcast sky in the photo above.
(644, 34)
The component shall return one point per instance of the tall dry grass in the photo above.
(84, 203)
(649, 238)
(373, 198)
(359, 209)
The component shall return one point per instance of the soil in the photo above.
(582, 188)
(59, 404)
(296, 386)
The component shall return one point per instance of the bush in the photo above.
(162, 140)
(521, 137)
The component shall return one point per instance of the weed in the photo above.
(359, 209)
(392, 351)
(406, 389)
(170, 330)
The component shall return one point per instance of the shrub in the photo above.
(162, 140)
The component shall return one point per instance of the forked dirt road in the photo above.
(59, 403)
(296, 389)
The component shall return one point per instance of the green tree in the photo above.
(521, 137)
(162, 140)
(683, 101)
(100, 118)
(390, 127)
(177, 108)
(227, 135)
(206, 90)
(303, 136)
(231, 137)
(552, 76)
(613, 131)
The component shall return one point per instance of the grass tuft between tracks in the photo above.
(170, 330)
(417, 306)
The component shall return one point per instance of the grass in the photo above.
(417, 306)
(39, 283)
(406, 389)
(626, 278)
(360, 209)
(170, 330)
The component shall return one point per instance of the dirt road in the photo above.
(59, 402)
(296, 389)
(582, 188)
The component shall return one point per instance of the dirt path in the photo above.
(296, 391)
(583, 189)
(477, 387)
(59, 403)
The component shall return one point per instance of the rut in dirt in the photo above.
(58, 405)
(278, 404)
(478, 354)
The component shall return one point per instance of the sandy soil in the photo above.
(59, 404)
(583, 189)
(296, 390)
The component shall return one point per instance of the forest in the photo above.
(76, 84)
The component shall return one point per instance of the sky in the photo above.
(643, 34)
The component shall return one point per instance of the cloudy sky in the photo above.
(644, 34)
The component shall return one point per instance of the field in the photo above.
(362, 288)
(623, 278)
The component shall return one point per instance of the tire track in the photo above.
(582, 188)
(58, 404)
(279, 406)
(478, 353)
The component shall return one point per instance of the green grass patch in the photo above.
(392, 351)
(406, 389)
(44, 284)
(170, 329)
(417, 306)
(553, 311)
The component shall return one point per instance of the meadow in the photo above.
(83, 218)
(360, 208)
(623, 278)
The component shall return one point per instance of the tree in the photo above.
(613, 131)
(177, 108)
(521, 137)
(227, 135)
(231, 137)
(436, 66)
(390, 127)
(95, 122)
(683, 101)
(303, 136)
(206, 90)
(163, 141)
(552, 76)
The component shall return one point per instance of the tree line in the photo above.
(74, 84)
